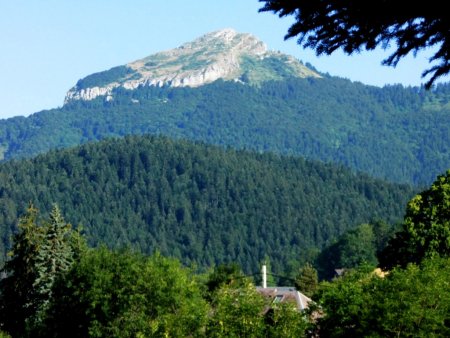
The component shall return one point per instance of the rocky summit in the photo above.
(224, 54)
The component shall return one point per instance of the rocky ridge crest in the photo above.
(224, 54)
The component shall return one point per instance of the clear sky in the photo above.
(48, 45)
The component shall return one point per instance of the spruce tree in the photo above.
(41, 253)
(55, 256)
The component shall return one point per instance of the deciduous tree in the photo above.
(426, 227)
(238, 312)
(411, 302)
(125, 294)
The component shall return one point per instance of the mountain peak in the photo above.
(228, 38)
(224, 54)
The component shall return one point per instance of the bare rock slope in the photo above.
(224, 54)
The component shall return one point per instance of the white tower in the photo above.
(264, 276)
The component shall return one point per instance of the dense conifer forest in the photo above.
(202, 204)
(396, 133)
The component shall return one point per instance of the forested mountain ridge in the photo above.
(394, 133)
(199, 203)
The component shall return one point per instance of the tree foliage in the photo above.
(307, 280)
(413, 298)
(352, 25)
(42, 252)
(125, 294)
(355, 247)
(284, 320)
(407, 302)
(426, 227)
(19, 301)
(237, 312)
(225, 275)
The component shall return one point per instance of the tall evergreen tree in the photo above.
(41, 253)
(55, 256)
(18, 298)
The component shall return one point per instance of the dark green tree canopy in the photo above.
(307, 280)
(410, 302)
(43, 251)
(352, 25)
(426, 227)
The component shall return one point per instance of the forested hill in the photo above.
(395, 133)
(197, 202)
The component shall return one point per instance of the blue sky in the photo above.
(48, 45)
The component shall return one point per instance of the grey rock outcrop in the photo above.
(224, 54)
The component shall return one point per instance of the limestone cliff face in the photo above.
(224, 54)
(90, 93)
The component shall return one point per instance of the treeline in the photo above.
(395, 133)
(198, 203)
